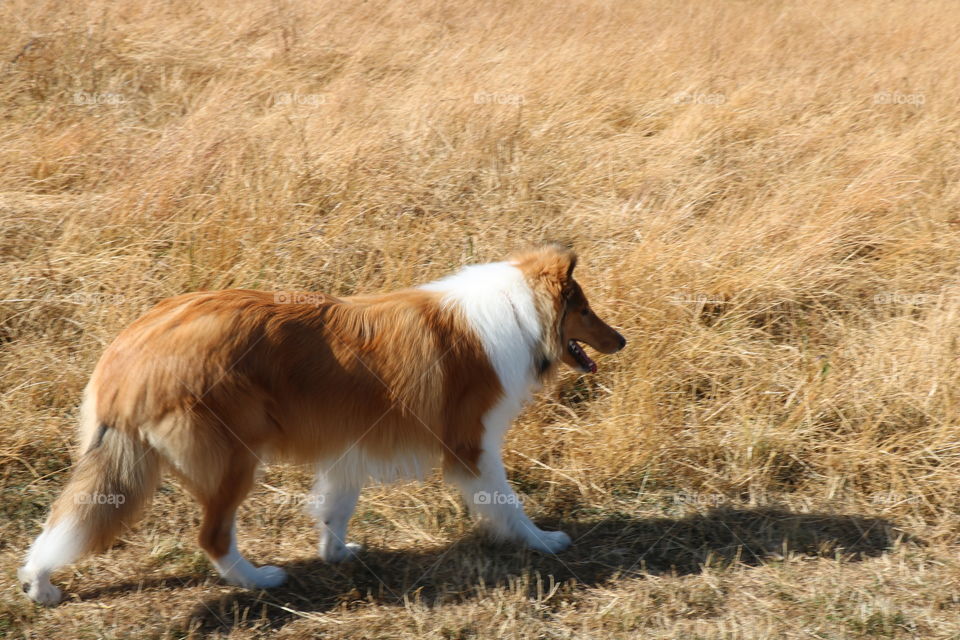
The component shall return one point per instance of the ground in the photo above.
(765, 200)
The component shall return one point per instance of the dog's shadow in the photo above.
(603, 551)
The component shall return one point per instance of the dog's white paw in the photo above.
(338, 552)
(38, 588)
(548, 541)
(269, 576)
(265, 577)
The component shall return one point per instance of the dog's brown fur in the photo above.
(216, 381)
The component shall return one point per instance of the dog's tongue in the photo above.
(591, 365)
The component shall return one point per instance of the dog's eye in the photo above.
(584, 311)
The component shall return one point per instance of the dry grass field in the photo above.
(765, 198)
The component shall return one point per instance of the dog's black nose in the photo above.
(623, 342)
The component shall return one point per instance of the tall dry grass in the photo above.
(765, 199)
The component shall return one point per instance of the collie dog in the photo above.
(208, 385)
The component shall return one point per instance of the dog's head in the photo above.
(566, 314)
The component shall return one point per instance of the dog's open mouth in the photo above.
(581, 356)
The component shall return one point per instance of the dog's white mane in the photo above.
(498, 304)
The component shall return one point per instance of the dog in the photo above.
(208, 385)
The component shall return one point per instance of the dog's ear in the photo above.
(573, 263)
(559, 262)
(566, 257)
(552, 263)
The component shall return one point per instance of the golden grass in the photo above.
(765, 198)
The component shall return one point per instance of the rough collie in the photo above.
(208, 385)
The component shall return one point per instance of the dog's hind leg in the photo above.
(332, 501)
(218, 534)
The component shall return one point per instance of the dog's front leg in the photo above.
(332, 502)
(491, 499)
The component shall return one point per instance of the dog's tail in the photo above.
(113, 480)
